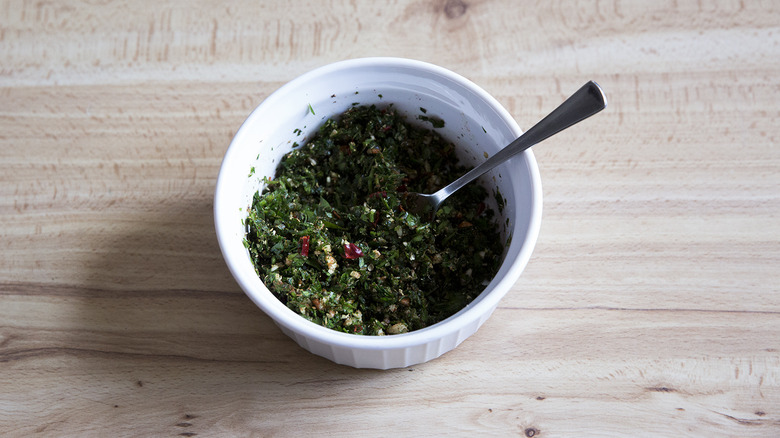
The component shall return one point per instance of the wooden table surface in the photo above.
(650, 307)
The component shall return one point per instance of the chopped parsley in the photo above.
(330, 238)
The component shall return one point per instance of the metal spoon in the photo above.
(586, 102)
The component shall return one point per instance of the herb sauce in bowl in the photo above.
(329, 236)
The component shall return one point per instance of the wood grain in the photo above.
(651, 305)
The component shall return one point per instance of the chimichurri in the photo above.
(330, 238)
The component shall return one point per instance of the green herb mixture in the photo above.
(330, 238)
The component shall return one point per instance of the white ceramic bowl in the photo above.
(474, 121)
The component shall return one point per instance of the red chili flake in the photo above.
(305, 246)
(401, 188)
(352, 251)
(375, 194)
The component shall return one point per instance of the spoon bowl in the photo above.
(587, 101)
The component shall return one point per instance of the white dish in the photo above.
(474, 121)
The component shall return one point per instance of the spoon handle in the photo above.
(586, 102)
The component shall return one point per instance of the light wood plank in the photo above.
(651, 305)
